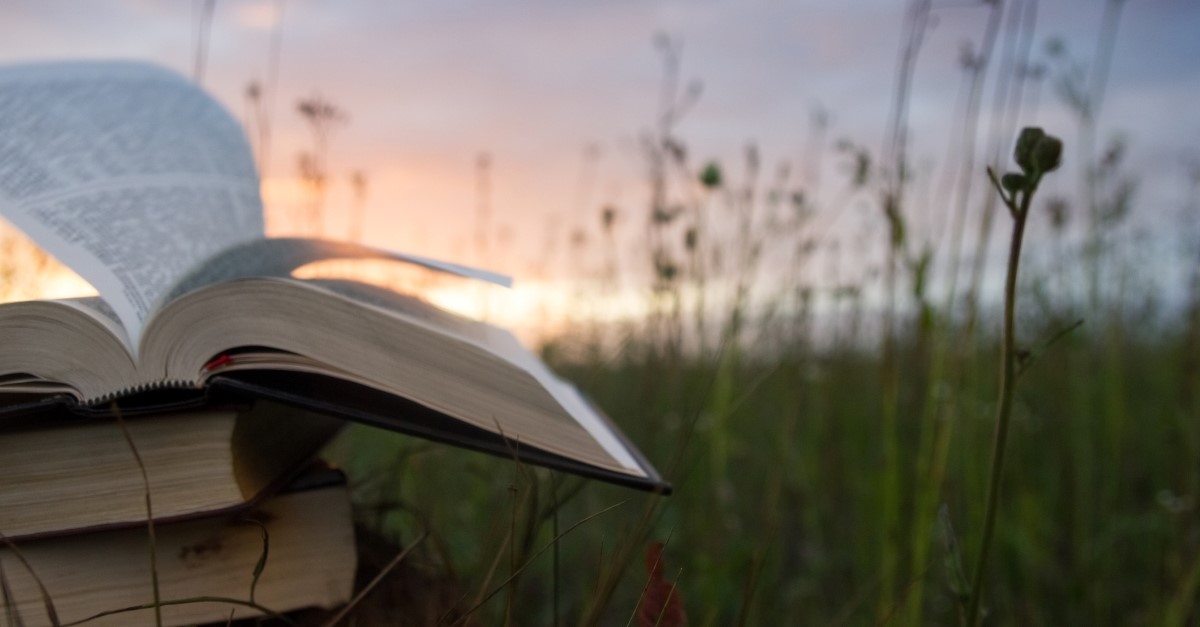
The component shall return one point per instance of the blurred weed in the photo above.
(321, 117)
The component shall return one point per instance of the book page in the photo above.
(409, 306)
(126, 173)
(501, 343)
(103, 313)
(280, 256)
(506, 345)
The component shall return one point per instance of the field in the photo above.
(829, 426)
(817, 369)
(829, 429)
(794, 503)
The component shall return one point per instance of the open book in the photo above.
(146, 187)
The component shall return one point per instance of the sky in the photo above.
(558, 94)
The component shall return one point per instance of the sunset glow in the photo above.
(54, 283)
(558, 100)
(535, 310)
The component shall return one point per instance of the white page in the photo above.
(126, 173)
(487, 276)
(280, 256)
(505, 345)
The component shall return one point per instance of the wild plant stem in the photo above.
(137, 457)
(1008, 384)
(379, 577)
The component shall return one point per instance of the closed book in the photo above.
(206, 567)
(64, 473)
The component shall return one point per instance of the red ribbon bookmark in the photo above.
(217, 362)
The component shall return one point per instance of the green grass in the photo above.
(1099, 522)
(822, 478)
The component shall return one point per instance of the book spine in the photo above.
(151, 386)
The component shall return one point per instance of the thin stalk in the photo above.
(379, 577)
(936, 424)
(970, 132)
(1006, 111)
(554, 579)
(137, 457)
(188, 601)
(1089, 115)
(895, 153)
(203, 26)
(1008, 385)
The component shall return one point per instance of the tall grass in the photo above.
(828, 439)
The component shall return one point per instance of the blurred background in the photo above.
(761, 236)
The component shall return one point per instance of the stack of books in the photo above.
(226, 489)
(226, 371)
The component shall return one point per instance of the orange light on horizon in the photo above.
(285, 191)
(533, 310)
(52, 283)
(30, 274)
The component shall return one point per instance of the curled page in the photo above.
(126, 173)
(279, 256)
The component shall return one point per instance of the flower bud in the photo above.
(710, 176)
(1026, 142)
(1013, 182)
(1047, 154)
